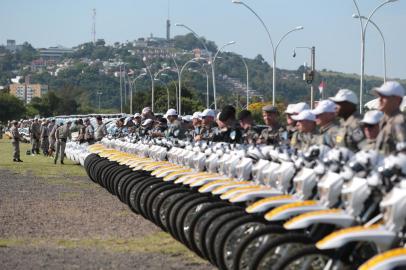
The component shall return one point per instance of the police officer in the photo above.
(1, 130)
(306, 125)
(89, 132)
(392, 134)
(250, 133)
(15, 141)
(370, 126)
(350, 134)
(35, 133)
(81, 131)
(101, 130)
(52, 129)
(44, 137)
(325, 113)
(175, 128)
(270, 135)
(229, 130)
(62, 134)
(293, 109)
(208, 126)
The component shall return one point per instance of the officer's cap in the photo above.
(372, 117)
(137, 115)
(208, 112)
(325, 106)
(197, 115)
(390, 88)
(345, 95)
(146, 110)
(270, 109)
(304, 115)
(171, 112)
(14, 122)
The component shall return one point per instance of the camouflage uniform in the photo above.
(368, 144)
(44, 139)
(207, 132)
(15, 141)
(250, 135)
(350, 134)
(89, 134)
(327, 135)
(35, 137)
(302, 141)
(271, 135)
(392, 134)
(175, 130)
(62, 134)
(100, 132)
(81, 133)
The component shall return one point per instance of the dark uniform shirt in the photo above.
(392, 134)
(250, 135)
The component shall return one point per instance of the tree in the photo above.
(11, 107)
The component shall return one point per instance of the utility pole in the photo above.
(99, 93)
(121, 92)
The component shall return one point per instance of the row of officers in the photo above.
(334, 122)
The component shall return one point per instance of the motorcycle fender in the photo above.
(176, 174)
(167, 169)
(387, 260)
(292, 209)
(157, 166)
(269, 203)
(213, 185)
(233, 192)
(375, 233)
(331, 216)
(209, 176)
(187, 176)
(250, 195)
(228, 187)
(204, 181)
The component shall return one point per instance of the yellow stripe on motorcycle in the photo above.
(311, 214)
(228, 187)
(288, 206)
(373, 263)
(233, 191)
(208, 186)
(345, 231)
(176, 174)
(165, 169)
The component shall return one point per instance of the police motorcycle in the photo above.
(379, 201)
(394, 259)
(297, 179)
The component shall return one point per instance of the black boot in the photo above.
(62, 162)
(19, 160)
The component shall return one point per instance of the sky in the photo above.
(328, 25)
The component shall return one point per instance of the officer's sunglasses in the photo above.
(368, 126)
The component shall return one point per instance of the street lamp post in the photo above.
(274, 48)
(194, 60)
(176, 91)
(167, 90)
(248, 79)
(152, 83)
(383, 41)
(207, 85)
(363, 35)
(134, 83)
(213, 68)
(176, 88)
(211, 60)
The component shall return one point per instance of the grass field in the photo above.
(70, 185)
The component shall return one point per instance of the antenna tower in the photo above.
(94, 26)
